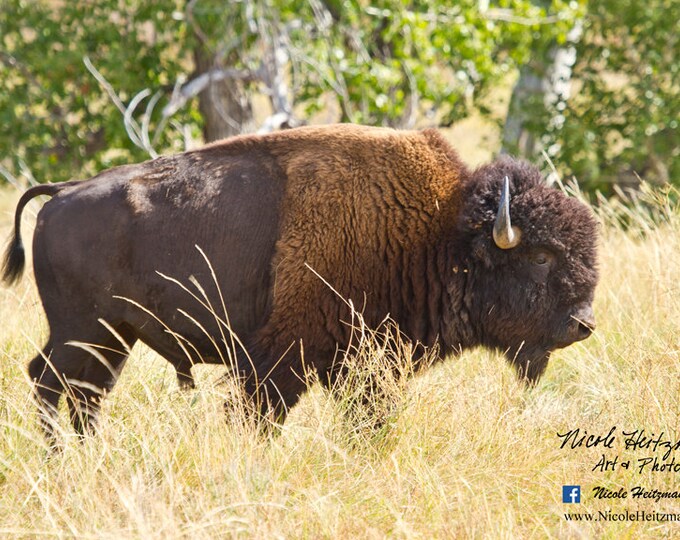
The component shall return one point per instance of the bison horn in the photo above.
(504, 234)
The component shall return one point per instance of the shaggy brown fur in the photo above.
(393, 220)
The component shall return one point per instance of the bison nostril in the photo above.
(585, 322)
(584, 330)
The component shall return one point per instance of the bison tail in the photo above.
(15, 257)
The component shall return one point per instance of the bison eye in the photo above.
(540, 258)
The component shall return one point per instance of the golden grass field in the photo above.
(467, 451)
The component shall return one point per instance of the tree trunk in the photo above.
(224, 105)
(538, 97)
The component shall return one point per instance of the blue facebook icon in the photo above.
(571, 494)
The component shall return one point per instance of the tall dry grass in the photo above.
(460, 450)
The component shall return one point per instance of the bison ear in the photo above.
(504, 234)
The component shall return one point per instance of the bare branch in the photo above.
(506, 15)
(273, 68)
(408, 119)
(131, 127)
(146, 121)
(139, 135)
(200, 83)
(104, 84)
(324, 20)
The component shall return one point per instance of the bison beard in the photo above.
(392, 220)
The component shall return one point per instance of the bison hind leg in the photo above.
(84, 372)
(100, 373)
(47, 390)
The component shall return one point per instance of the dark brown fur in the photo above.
(392, 220)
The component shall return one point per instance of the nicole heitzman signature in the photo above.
(637, 439)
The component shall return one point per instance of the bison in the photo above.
(392, 220)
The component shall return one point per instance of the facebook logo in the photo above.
(571, 494)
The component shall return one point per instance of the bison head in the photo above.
(529, 252)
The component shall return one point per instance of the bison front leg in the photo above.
(185, 379)
(273, 391)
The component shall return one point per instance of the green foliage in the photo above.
(56, 118)
(386, 62)
(393, 60)
(623, 121)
